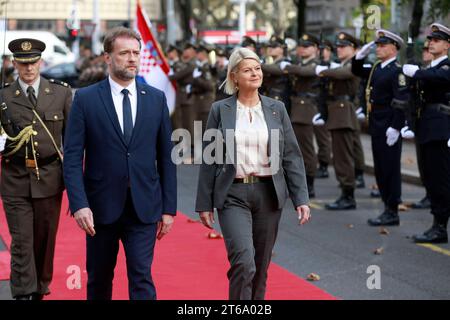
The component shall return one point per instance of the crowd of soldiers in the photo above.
(330, 90)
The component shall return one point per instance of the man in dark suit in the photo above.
(128, 187)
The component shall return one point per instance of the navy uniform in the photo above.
(304, 94)
(31, 171)
(433, 134)
(275, 80)
(387, 95)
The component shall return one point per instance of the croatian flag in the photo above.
(154, 69)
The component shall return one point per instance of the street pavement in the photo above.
(339, 246)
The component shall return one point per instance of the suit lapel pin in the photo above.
(143, 92)
(274, 113)
(17, 93)
(47, 90)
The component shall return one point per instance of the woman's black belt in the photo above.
(253, 179)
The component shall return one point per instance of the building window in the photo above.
(41, 25)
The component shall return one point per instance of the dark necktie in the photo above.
(127, 117)
(32, 96)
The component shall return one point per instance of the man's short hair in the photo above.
(119, 32)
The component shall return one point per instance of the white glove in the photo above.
(365, 50)
(448, 143)
(320, 68)
(410, 70)
(283, 64)
(317, 120)
(360, 114)
(407, 133)
(197, 73)
(334, 65)
(188, 88)
(2, 142)
(170, 72)
(392, 136)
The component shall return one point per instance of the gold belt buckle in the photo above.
(30, 163)
(249, 179)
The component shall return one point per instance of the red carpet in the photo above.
(187, 266)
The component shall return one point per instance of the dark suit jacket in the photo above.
(111, 165)
(216, 179)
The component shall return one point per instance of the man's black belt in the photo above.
(40, 161)
(306, 95)
(253, 179)
(440, 107)
(341, 98)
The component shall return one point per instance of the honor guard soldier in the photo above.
(176, 65)
(275, 82)
(342, 121)
(249, 43)
(34, 111)
(220, 73)
(304, 96)
(387, 95)
(322, 134)
(433, 131)
(183, 77)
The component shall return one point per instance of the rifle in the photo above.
(323, 84)
(412, 110)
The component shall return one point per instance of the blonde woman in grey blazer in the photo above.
(250, 168)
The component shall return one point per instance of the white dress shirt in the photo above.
(35, 86)
(434, 63)
(117, 97)
(252, 137)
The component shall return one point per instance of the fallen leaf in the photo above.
(214, 235)
(378, 251)
(313, 277)
(384, 231)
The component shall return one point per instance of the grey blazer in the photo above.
(216, 179)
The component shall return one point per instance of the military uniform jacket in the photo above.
(183, 77)
(53, 105)
(275, 82)
(434, 84)
(304, 91)
(342, 89)
(388, 89)
(204, 89)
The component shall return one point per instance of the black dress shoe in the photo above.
(387, 218)
(360, 184)
(37, 296)
(343, 203)
(437, 234)
(23, 297)
(322, 172)
(422, 204)
(375, 194)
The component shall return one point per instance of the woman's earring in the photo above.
(236, 86)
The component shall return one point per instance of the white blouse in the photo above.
(252, 137)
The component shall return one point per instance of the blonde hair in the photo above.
(236, 58)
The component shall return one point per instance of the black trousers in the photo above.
(138, 241)
(387, 170)
(436, 167)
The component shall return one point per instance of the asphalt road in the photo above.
(339, 246)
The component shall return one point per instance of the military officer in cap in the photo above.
(276, 83)
(220, 73)
(387, 94)
(249, 43)
(173, 56)
(342, 121)
(304, 96)
(34, 111)
(433, 131)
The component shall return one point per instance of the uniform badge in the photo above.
(305, 37)
(17, 93)
(381, 34)
(401, 80)
(341, 36)
(445, 67)
(434, 28)
(26, 46)
(47, 90)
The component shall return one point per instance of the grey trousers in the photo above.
(249, 222)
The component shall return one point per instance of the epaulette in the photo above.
(61, 83)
